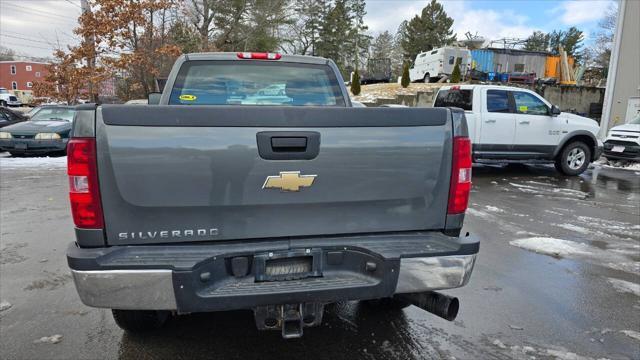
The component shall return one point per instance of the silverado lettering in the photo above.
(167, 234)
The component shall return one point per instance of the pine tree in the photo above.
(538, 41)
(355, 83)
(304, 31)
(430, 30)
(405, 76)
(455, 74)
(382, 46)
(334, 35)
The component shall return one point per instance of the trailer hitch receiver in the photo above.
(289, 318)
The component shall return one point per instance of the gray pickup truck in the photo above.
(219, 195)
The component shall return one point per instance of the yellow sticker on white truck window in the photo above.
(187, 97)
(523, 108)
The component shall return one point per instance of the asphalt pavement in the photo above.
(558, 276)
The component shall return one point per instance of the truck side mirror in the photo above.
(154, 98)
(555, 111)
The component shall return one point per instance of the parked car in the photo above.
(46, 132)
(509, 124)
(9, 117)
(432, 65)
(198, 205)
(33, 111)
(623, 141)
(8, 99)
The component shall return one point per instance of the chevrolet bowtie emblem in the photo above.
(288, 181)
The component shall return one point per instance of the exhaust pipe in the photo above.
(438, 304)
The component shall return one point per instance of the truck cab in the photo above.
(8, 99)
(510, 124)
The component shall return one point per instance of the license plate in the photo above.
(618, 149)
(21, 146)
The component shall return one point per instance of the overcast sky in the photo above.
(33, 27)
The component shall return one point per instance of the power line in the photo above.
(28, 46)
(24, 38)
(23, 7)
(33, 39)
(36, 13)
(74, 4)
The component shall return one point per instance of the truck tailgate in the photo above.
(171, 174)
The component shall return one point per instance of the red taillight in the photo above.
(84, 193)
(259, 56)
(460, 175)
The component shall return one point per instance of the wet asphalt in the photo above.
(518, 305)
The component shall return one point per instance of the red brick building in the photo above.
(20, 75)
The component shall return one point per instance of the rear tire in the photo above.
(3, 103)
(427, 78)
(139, 321)
(574, 159)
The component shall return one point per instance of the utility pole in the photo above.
(90, 41)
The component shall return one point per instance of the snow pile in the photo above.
(625, 286)
(5, 305)
(493, 209)
(32, 162)
(552, 247)
(624, 165)
(369, 93)
(53, 339)
(631, 334)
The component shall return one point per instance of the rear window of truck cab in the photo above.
(219, 82)
(462, 98)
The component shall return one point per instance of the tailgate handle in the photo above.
(288, 145)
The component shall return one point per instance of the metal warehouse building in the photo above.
(543, 64)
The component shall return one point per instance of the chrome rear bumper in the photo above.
(154, 289)
(126, 289)
(434, 273)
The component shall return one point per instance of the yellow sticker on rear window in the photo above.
(187, 97)
(523, 109)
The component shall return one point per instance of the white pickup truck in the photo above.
(509, 124)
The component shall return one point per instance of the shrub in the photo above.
(355, 83)
(455, 74)
(405, 76)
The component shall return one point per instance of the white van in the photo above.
(510, 124)
(434, 64)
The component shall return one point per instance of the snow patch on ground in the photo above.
(632, 334)
(369, 93)
(53, 339)
(553, 247)
(550, 190)
(565, 355)
(33, 162)
(493, 209)
(499, 344)
(5, 305)
(612, 164)
(574, 228)
(625, 286)
(477, 213)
